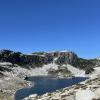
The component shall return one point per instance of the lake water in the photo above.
(46, 84)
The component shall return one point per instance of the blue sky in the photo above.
(46, 25)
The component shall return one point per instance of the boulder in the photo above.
(97, 93)
(84, 95)
(33, 96)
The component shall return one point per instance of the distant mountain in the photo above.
(38, 59)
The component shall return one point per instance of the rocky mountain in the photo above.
(38, 59)
(15, 66)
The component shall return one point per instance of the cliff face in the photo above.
(38, 58)
(65, 57)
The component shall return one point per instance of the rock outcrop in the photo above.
(37, 58)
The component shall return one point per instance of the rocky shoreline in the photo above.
(15, 65)
(10, 86)
(87, 90)
(7, 91)
(13, 80)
